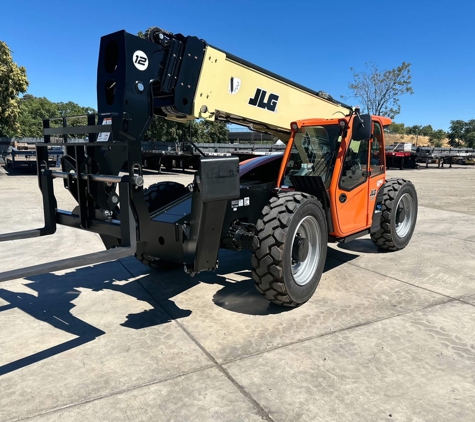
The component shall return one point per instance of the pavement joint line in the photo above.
(343, 329)
(260, 410)
(114, 393)
(444, 209)
(444, 235)
(464, 301)
(457, 298)
(220, 366)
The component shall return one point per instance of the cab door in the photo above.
(351, 192)
(377, 163)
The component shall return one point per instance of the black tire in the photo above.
(160, 194)
(280, 276)
(399, 216)
(157, 196)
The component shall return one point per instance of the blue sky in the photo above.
(313, 43)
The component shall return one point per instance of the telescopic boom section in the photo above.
(184, 78)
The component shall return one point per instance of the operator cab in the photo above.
(313, 153)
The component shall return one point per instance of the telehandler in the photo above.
(329, 186)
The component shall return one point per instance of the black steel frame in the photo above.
(86, 217)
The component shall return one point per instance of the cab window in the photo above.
(377, 151)
(313, 153)
(355, 166)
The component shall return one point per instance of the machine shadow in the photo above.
(242, 297)
(360, 246)
(52, 297)
(20, 171)
(237, 294)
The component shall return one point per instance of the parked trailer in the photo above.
(445, 155)
(401, 159)
(408, 155)
(23, 156)
(184, 155)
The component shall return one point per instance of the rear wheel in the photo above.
(399, 215)
(293, 236)
(157, 196)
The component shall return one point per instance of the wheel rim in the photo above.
(303, 271)
(404, 215)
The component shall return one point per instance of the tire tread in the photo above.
(267, 268)
(383, 237)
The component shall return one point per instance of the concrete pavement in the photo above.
(387, 336)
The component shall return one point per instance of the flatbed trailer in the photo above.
(445, 155)
(183, 155)
(401, 159)
(407, 156)
(18, 158)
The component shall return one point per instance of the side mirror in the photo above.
(361, 128)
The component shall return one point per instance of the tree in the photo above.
(436, 137)
(34, 109)
(397, 128)
(462, 133)
(470, 140)
(379, 91)
(13, 82)
(469, 135)
(426, 130)
(212, 131)
(414, 130)
(32, 112)
(456, 130)
(162, 129)
(72, 109)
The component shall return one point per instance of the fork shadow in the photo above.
(53, 296)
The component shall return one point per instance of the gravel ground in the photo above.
(450, 189)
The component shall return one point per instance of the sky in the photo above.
(314, 43)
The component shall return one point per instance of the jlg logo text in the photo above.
(259, 100)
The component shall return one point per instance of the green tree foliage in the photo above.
(436, 137)
(419, 130)
(162, 129)
(397, 128)
(165, 130)
(456, 132)
(13, 81)
(414, 130)
(470, 140)
(32, 112)
(462, 133)
(212, 131)
(73, 109)
(34, 109)
(379, 91)
(427, 130)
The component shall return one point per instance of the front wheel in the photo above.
(399, 215)
(293, 237)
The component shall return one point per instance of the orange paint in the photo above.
(354, 214)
